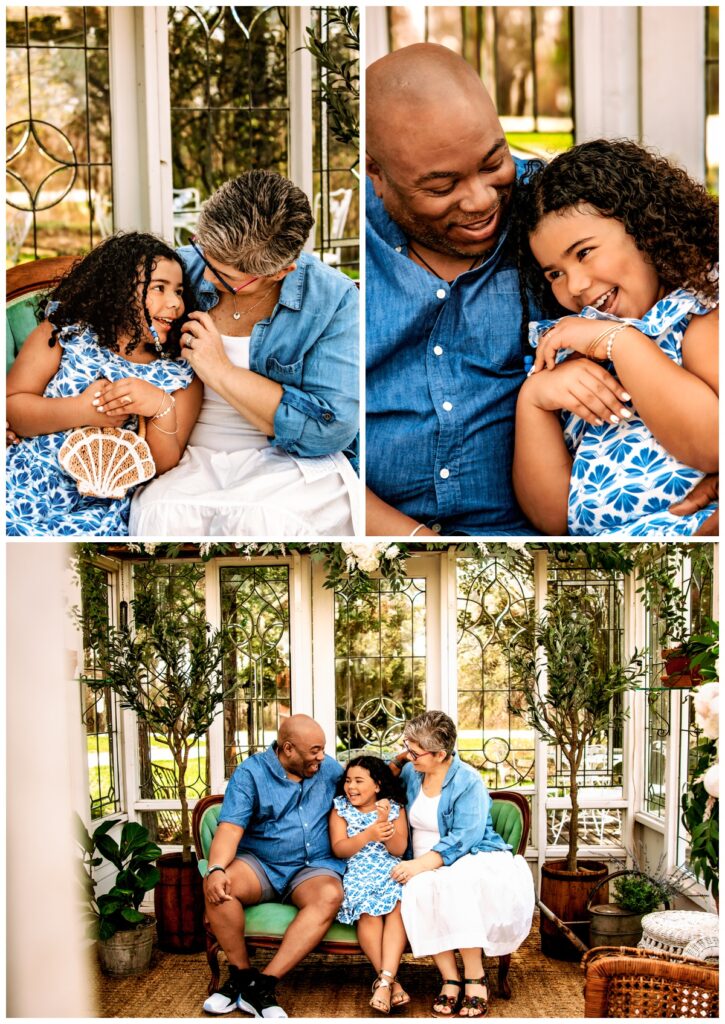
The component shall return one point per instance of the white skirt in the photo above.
(261, 492)
(482, 901)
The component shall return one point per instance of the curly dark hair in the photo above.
(671, 218)
(390, 787)
(99, 291)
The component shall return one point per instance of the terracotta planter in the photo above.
(678, 674)
(179, 905)
(567, 894)
(128, 952)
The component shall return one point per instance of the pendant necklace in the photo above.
(237, 314)
(476, 259)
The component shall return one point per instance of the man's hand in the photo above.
(701, 495)
(217, 888)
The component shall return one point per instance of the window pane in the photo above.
(493, 603)
(380, 665)
(255, 604)
(59, 187)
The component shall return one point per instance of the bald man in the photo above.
(443, 338)
(272, 844)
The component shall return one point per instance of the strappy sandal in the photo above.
(399, 998)
(479, 1004)
(451, 1002)
(384, 981)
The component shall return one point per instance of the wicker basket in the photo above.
(628, 982)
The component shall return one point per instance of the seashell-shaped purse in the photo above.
(106, 461)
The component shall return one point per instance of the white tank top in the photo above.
(423, 819)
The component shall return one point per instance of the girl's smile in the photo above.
(164, 295)
(590, 260)
(360, 789)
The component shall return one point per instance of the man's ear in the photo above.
(374, 172)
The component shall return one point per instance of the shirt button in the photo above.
(445, 473)
(437, 350)
(327, 416)
(448, 406)
(441, 293)
(436, 527)
(398, 248)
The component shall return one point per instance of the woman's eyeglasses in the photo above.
(217, 273)
(412, 754)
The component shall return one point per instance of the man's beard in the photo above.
(420, 231)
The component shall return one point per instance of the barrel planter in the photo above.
(679, 674)
(127, 952)
(179, 905)
(567, 893)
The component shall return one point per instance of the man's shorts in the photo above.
(269, 893)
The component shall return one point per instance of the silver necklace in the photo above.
(237, 314)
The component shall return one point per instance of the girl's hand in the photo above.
(383, 807)
(581, 387)
(128, 397)
(10, 436)
(381, 830)
(96, 418)
(406, 870)
(576, 333)
(201, 346)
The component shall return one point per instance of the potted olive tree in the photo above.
(124, 935)
(569, 693)
(167, 668)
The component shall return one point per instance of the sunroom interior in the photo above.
(434, 629)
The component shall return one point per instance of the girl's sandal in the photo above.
(477, 1006)
(399, 998)
(382, 987)
(451, 1003)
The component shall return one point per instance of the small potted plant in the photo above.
(570, 700)
(636, 894)
(124, 935)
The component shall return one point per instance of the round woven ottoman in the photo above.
(673, 930)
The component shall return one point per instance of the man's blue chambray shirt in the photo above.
(284, 822)
(310, 345)
(444, 367)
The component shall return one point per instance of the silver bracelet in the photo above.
(420, 526)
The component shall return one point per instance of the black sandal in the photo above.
(478, 1003)
(451, 1002)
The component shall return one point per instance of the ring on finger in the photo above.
(127, 399)
(186, 340)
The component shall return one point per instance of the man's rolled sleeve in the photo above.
(239, 799)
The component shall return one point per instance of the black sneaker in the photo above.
(225, 1000)
(257, 997)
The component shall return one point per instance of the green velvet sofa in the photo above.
(267, 922)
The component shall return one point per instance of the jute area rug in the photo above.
(339, 987)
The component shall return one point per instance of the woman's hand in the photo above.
(407, 869)
(201, 346)
(581, 387)
(577, 333)
(127, 397)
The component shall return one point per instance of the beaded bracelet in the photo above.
(158, 415)
(610, 340)
(591, 348)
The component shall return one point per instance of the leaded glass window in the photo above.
(229, 100)
(336, 162)
(380, 664)
(494, 601)
(168, 588)
(523, 55)
(58, 163)
(255, 605)
(98, 707)
(712, 98)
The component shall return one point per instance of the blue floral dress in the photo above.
(369, 889)
(41, 498)
(622, 478)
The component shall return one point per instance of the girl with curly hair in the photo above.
(628, 243)
(369, 829)
(106, 352)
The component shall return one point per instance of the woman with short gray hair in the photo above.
(275, 341)
(463, 889)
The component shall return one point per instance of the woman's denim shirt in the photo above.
(309, 344)
(464, 811)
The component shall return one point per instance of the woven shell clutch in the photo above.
(106, 461)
